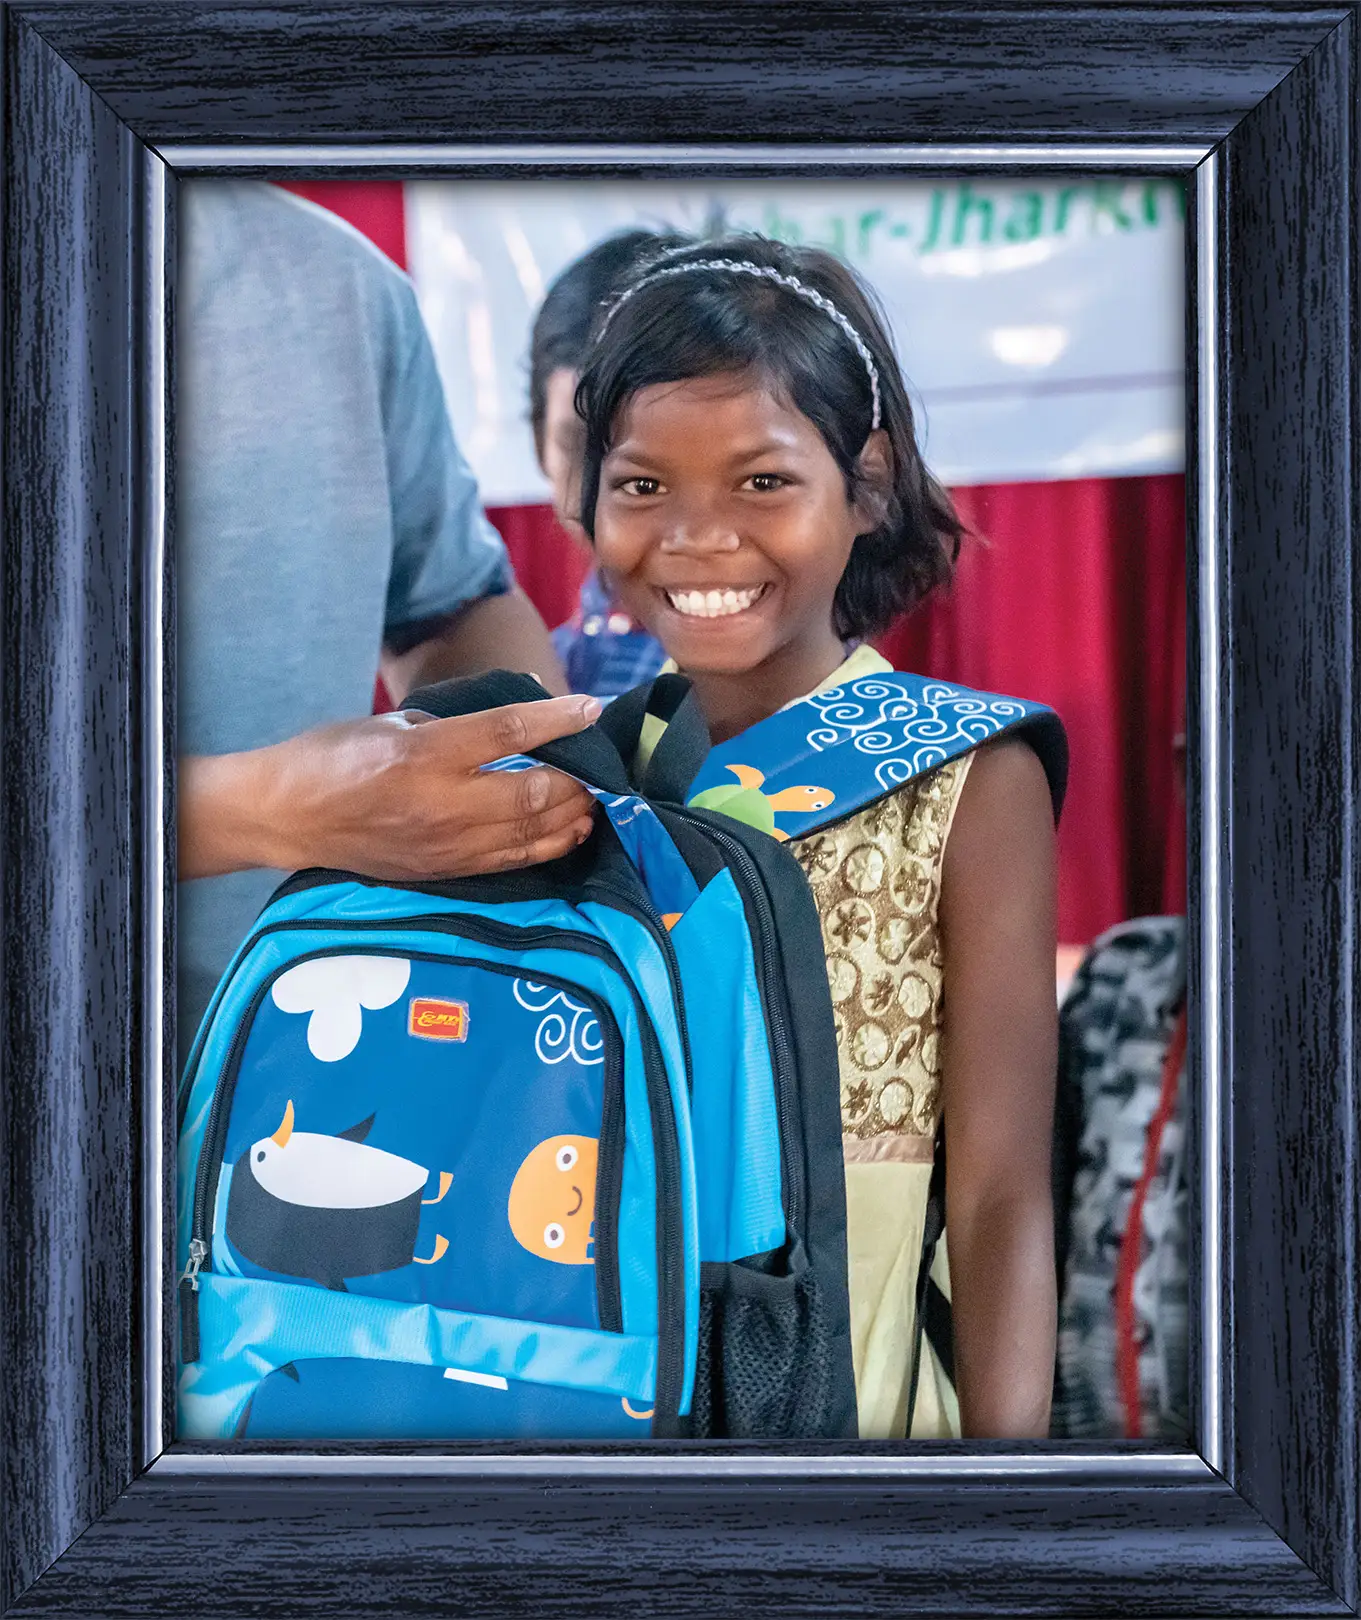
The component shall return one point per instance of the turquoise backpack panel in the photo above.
(733, 1108)
(361, 1399)
(250, 1327)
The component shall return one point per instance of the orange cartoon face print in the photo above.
(552, 1200)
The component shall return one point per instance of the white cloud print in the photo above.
(335, 990)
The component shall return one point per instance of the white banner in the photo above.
(1039, 322)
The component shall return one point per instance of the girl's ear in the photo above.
(874, 482)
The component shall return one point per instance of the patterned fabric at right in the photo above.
(1122, 1131)
(876, 880)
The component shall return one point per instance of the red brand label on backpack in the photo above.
(437, 1020)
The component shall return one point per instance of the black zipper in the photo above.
(775, 993)
(609, 1179)
(611, 1152)
(666, 1146)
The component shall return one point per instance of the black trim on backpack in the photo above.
(682, 747)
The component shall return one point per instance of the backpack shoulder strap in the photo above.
(836, 751)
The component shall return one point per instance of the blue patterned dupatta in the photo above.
(839, 749)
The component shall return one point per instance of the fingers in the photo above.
(477, 739)
(548, 848)
(505, 820)
(496, 799)
(538, 723)
(528, 843)
(531, 793)
(530, 821)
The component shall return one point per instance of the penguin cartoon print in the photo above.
(328, 1207)
(552, 1200)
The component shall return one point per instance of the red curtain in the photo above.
(1073, 593)
(548, 563)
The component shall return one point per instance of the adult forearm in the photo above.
(223, 822)
(394, 796)
(1005, 1315)
(495, 632)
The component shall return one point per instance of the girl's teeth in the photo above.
(712, 604)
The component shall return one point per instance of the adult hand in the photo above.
(394, 796)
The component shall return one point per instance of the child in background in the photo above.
(603, 650)
(752, 485)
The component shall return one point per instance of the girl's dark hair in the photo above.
(711, 322)
(562, 329)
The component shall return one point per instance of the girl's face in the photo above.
(724, 525)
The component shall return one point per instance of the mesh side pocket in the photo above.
(766, 1368)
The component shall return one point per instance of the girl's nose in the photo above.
(699, 537)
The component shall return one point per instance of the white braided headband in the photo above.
(744, 267)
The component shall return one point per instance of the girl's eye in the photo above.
(640, 486)
(566, 1157)
(764, 483)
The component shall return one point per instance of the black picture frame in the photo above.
(106, 106)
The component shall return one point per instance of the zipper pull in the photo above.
(189, 1344)
(198, 1253)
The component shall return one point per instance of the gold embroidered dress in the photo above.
(876, 880)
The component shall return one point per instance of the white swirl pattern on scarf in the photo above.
(573, 1033)
(917, 733)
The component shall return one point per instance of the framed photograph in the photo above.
(110, 109)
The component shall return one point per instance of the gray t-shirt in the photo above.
(321, 501)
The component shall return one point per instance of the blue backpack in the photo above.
(553, 1154)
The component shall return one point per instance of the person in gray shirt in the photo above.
(325, 518)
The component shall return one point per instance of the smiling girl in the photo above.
(756, 498)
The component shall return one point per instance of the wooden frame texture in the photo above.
(105, 105)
